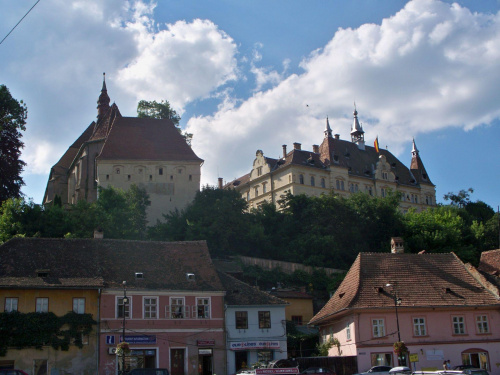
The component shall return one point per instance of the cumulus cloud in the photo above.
(187, 61)
(430, 66)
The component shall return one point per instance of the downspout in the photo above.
(98, 329)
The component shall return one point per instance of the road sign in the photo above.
(414, 357)
(110, 339)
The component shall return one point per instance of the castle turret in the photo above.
(103, 102)
(357, 133)
(417, 166)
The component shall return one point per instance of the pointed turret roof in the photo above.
(103, 101)
(417, 166)
(328, 130)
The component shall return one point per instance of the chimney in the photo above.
(284, 151)
(397, 245)
(296, 146)
(337, 136)
(220, 182)
(316, 149)
(98, 234)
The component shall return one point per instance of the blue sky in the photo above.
(249, 75)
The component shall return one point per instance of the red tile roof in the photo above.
(132, 138)
(91, 262)
(422, 280)
(490, 262)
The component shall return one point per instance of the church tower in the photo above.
(103, 101)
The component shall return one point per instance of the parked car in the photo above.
(318, 370)
(12, 372)
(377, 370)
(462, 367)
(400, 370)
(475, 371)
(149, 371)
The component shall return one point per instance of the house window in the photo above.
(256, 191)
(241, 319)
(11, 304)
(117, 170)
(79, 305)
(301, 179)
(259, 171)
(382, 359)
(312, 181)
(264, 319)
(122, 308)
(419, 327)
(382, 192)
(248, 195)
(42, 305)
(482, 324)
(378, 329)
(129, 177)
(384, 175)
(171, 177)
(160, 171)
(179, 171)
(297, 320)
(150, 308)
(340, 184)
(264, 188)
(203, 308)
(348, 331)
(107, 177)
(177, 308)
(458, 325)
(150, 177)
(265, 356)
(323, 183)
(190, 177)
(476, 358)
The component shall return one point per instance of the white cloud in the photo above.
(187, 61)
(430, 66)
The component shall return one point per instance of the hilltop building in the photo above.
(344, 167)
(120, 151)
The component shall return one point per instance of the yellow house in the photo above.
(300, 305)
(339, 166)
(60, 289)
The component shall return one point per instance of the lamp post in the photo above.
(125, 301)
(397, 302)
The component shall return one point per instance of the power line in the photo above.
(19, 22)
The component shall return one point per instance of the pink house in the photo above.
(431, 302)
(173, 315)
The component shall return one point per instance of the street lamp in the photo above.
(397, 302)
(125, 301)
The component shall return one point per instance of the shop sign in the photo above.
(205, 351)
(414, 357)
(254, 345)
(277, 371)
(206, 342)
(143, 339)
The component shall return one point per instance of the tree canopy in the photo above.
(161, 110)
(13, 115)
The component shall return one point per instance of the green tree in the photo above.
(161, 110)
(13, 115)
(460, 199)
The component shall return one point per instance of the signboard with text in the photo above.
(241, 345)
(277, 371)
(142, 339)
(414, 357)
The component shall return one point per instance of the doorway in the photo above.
(177, 361)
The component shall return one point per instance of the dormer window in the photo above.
(139, 275)
(190, 277)
(42, 273)
(259, 171)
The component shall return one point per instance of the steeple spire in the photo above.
(357, 132)
(328, 130)
(414, 150)
(103, 102)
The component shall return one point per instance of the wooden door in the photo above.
(177, 361)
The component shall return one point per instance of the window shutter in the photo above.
(194, 311)
(167, 312)
(186, 312)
